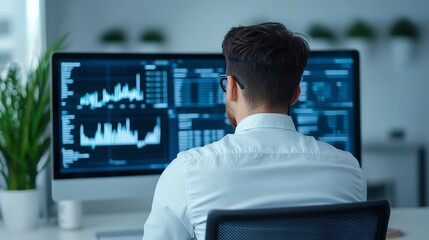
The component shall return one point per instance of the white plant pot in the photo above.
(320, 44)
(402, 50)
(150, 47)
(20, 209)
(113, 47)
(361, 45)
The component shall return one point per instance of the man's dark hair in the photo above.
(268, 60)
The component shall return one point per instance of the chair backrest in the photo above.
(360, 221)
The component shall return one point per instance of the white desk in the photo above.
(92, 224)
(414, 222)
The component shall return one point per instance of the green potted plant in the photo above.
(24, 139)
(360, 29)
(321, 36)
(404, 28)
(152, 35)
(404, 35)
(114, 39)
(152, 40)
(359, 36)
(319, 31)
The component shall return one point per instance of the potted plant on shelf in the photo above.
(321, 36)
(24, 139)
(114, 40)
(359, 35)
(404, 35)
(152, 40)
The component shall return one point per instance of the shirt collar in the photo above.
(266, 120)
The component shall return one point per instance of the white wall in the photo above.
(392, 96)
(398, 93)
(14, 43)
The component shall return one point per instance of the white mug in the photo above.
(70, 214)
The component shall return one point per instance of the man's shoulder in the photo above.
(215, 148)
(233, 144)
(327, 151)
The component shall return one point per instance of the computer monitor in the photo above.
(119, 119)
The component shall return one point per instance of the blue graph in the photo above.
(123, 135)
(119, 93)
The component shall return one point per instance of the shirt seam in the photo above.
(189, 201)
(319, 155)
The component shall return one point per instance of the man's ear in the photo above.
(231, 87)
(295, 95)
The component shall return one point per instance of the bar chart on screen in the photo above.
(122, 135)
(119, 93)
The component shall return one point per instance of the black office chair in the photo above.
(360, 221)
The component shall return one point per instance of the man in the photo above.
(266, 163)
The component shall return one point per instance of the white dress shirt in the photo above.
(266, 163)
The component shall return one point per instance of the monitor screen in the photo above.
(122, 115)
(329, 106)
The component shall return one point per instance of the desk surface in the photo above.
(412, 221)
